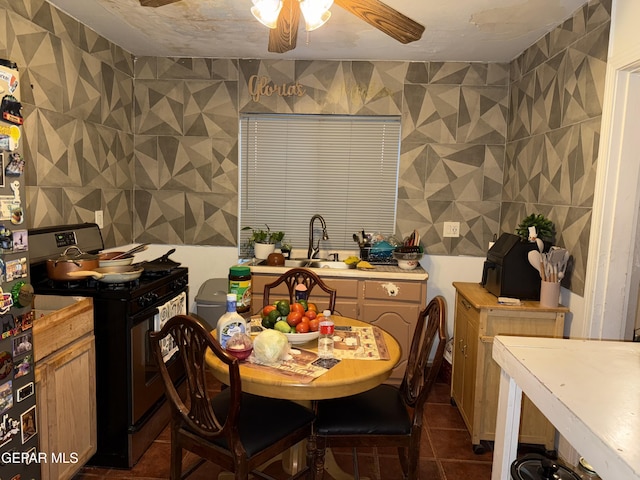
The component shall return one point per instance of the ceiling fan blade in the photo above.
(156, 3)
(384, 18)
(284, 37)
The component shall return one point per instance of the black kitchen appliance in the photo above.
(130, 404)
(507, 271)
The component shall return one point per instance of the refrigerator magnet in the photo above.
(15, 166)
(9, 427)
(6, 396)
(6, 365)
(25, 392)
(28, 424)
(23, 366)
(22, 344)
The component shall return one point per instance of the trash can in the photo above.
(211, 300)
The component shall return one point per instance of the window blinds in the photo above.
(344, 168)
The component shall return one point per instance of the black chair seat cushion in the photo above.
(263, 421)
(379, 411)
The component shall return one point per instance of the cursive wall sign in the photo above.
(264, 87)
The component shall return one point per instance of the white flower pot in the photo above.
(262, 250)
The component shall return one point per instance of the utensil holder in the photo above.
(549, 294)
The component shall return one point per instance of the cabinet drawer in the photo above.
(393, 290)
(465, 311)
(61, 327)
(343, 288)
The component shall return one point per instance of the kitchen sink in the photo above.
(315, 263)
(302, 262)
(331, 264)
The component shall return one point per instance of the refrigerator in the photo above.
(19, 455)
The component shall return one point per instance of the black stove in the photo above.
(130, 403)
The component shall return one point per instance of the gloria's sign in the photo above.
(264, 87)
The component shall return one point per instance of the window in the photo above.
(344, 168)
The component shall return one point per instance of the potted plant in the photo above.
(535, 228)
(263, 241)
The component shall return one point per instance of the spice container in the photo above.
(240, 284)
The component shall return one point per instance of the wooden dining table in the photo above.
(347, 377)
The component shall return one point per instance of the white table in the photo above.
(589, 390)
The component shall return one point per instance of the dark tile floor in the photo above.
(446, 454)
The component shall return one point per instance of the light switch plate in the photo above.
(99, 218)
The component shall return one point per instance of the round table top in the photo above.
(348, 377)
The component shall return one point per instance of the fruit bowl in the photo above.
(300, 338)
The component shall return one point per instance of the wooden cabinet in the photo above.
(475, 376)
(394, 306)
(64, 355)
(391, 300)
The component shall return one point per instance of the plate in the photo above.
(300, 338)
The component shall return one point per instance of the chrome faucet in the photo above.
(313, 252)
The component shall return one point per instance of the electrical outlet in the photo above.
(451, 229)
(99, 218)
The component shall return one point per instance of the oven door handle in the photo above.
(156, 313)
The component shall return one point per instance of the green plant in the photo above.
(264, 236)
(545, 229)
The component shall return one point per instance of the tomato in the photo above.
(305, 319)
(311, 314)
(297, 307)
(267, 309)
(302, 328)
(312, 306)
(314, 325)
(294, 318)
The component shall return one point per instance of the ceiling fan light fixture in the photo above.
(315, 12)
(267, 11)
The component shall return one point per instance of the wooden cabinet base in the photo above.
(65, 389)
(476, 376)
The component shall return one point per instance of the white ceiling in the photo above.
(456, 30)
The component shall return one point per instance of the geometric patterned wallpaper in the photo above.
(555, 105)
(153, 142)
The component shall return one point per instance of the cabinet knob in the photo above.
(466, 304)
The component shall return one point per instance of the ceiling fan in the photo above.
(284, 37)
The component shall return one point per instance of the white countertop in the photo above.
(588, 389)
(384, 272)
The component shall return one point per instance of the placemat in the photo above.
(301, 367)
(360, 343)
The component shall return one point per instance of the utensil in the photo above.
(535, 259)
(140, 248)
(161, 264)
(562, 266)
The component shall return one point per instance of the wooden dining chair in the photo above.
(235, 430)
(387, 416)
(293, 277)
